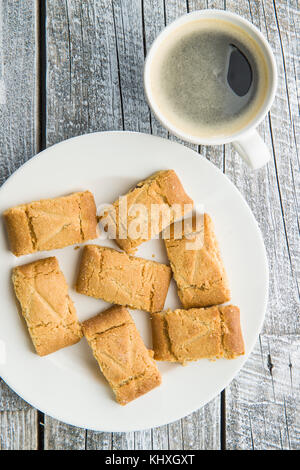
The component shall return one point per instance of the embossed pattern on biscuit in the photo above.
(197, 333)
(121, 354)
(46, 306)
(162, 189)
(122, 279)
(199, 273)
(51, 223)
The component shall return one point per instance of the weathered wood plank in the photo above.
(130, 50)
(286, 125)
(18, 430)
(82, 69)
(98, 440)
(18, 85)
(154, 21)
(143, 440)
(263, 407)
(18, 142)
(61, 436)
(160, 438)
(201, 429)
(123, 441)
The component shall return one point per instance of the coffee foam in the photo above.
(185, 122)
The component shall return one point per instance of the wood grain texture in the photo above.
(18, 85)
(18, 430)
(83, 92)
(61, 436)
(18, 142)
(263, 407)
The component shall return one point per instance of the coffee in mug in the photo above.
(209, 78)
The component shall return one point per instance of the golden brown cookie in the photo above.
(199, 273)
(197, 333)
(46, 306)
(51, 223)
(163, 201)
(121, 279)
(121, 354)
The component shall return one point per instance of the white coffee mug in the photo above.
(246, 141)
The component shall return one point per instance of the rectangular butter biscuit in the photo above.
(197, 333)
(199, 273)
(126, 363)
(46, 306)
(121, 279)
(162, 189)
(49, 224)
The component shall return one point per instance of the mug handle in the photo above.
(253, 150)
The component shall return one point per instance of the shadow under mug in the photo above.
(246, 141)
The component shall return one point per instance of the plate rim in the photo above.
(258, 328)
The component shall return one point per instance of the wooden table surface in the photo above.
(72, 67)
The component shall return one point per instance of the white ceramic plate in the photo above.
(68, 385)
